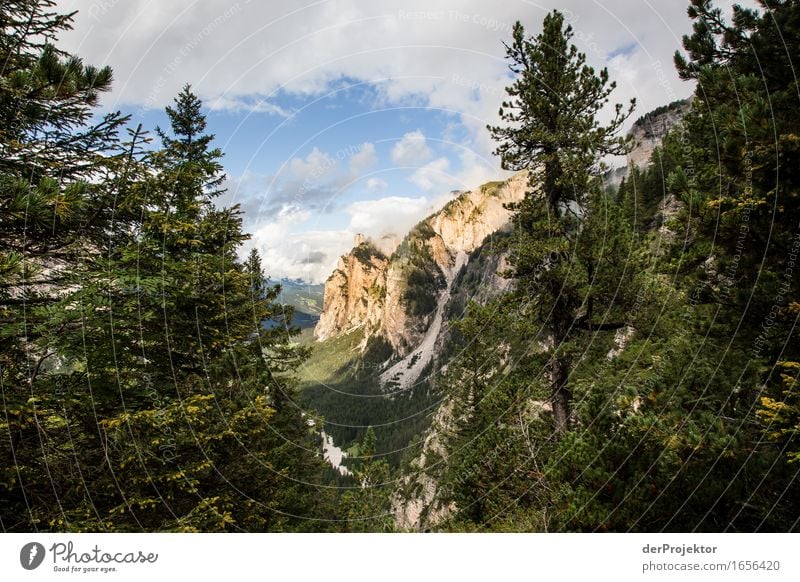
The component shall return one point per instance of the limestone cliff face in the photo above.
(416, 503)
(465, 222)
(396, 325)
(354, 292)
(647, 134)
(649, 131)
(395, 297)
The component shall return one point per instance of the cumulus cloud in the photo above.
(307, 186)
(289, 251)
(386, 221)
(475, 170)
(246, 56)
(434, 175)
(447, 57)
(312, 258)
(411, 150)
(247, 105)
(315, 165)
(308, 254)
(310, 183)
(363, 160)
(371, 217)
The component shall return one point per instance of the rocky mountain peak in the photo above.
(398, 298)
(649, 130)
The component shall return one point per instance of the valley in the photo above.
(384, 330)
(553, 291)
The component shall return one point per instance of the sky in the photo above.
(339, 117)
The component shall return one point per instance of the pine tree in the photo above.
(737, 179)
(739, 154)
(188, 372)
(59, 201)
(495, 439)
(552, 132)
(141, 389)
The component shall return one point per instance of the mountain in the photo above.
(650, 129)
(383, 334)
(384, 321)
(401, 298)
(417, 502)
(396, 297)
(647, 133)
(305, 298)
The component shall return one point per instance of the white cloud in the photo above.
(246, 105)
(313, 167)
(411, 150)
(376, 185)
(289, 250)
(447, 56)
(371, 217)
(434, 175)
(364, 159)
(475, 170)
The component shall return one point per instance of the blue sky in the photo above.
(346, 116)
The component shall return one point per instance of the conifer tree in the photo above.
(58, 201)
(141, 389)
(739, 156)
(368, 505)
(551, 130)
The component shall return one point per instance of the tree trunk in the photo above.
(560, 394)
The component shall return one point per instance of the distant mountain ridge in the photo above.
(305, 298)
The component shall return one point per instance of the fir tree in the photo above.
(141, 389)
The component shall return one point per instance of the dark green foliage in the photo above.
(740, 153)
(640, 374)
(141, 391)
(421, 232)
(421, 292)
(551, 114)
(644, 190)
(366, 251)
(650, 116)
(679, 356)
(551, 130)
(368, 504)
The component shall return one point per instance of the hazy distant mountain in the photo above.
(305, 298)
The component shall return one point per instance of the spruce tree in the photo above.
(739, 186)
(141, 389)
(195, 386)
(739, 155)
